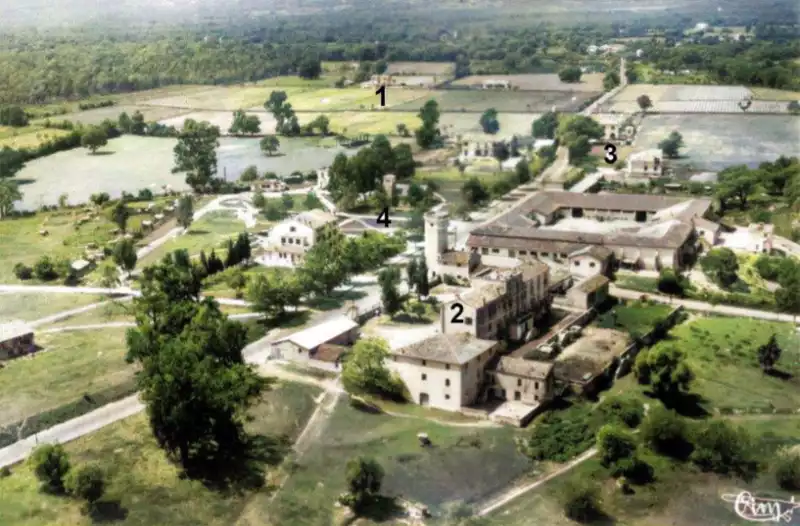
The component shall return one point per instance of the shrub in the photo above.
(787, 472)
(627, 410)
(44, 269)
(22, 271)
(50, 464)
(666, 433)
(561, 435)
(87, 483)
(145, 194)
(723, 448)
(582, 503)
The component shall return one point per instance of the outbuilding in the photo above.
(16, 339)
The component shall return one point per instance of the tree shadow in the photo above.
(777, 373)
(380, 509)
(197, 232)
(690, 405)
(404, 317)
(23, 182)
(102, 153)
(108, 511)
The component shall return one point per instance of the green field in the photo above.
(634, 317)
(356, 98)
(68, 365)
(447, 472)
(32, 306)
(145, 489)
(28, 136)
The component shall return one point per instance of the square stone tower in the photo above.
(436, 224)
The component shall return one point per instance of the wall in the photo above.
(469, 314)
(585, 266)
(434, 384)
(532, 390)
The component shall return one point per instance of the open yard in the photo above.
(144, 487)
(714, 142)
(539, 82)
(478, 100)
(32, 306)
(464, 464)
(69, 365)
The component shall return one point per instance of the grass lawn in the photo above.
(31, 307)
(775, 94)
(634, 317)
(446, 472)
(208, 232)
(144, 488)
(27, 137)
(69, 365)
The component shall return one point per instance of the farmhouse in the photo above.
(646, 164)
(589, 293)
(321, 345)
(446, 370)
(289, 240)
(642, 231)
(16, 339)
(527, 381)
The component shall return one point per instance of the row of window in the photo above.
(294, 240)
(446, 380)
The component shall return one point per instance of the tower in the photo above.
(436, 224)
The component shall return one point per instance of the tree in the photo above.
(270, 144)
(125, 123)
(578, 149)
(11, 162)
(769, 354)
(196, 153)
(724, 448)
(411, 273)
(428, 134)
(310, 67)
(259, 201)
(237, 281)
(93, 138)
(63, 200)
(50, 464)
(664, 368)
(473, 192)
(383, 149)
(644, 102)
(665, 432)
(721, 265)
(579, 125)
(99, 199)
(793, 107)
(610, 80)
(672, 283)
(570, 74)
(109, 275)
(671, 145)
(125, 254)
(120, 215)
(402, 130)
(13, 116)
(581, 502)
(186, 345)
(312, 201)
(87, 483)
(545, 126)
(138, 126)
(489, 122)
(184, 212)
(500, 153)
(244, 124)
(44, 269)
(321, 123)
(364, 477)
(624, 409)
(787, 472)
(389, 279)
(787, 297)
(617, 448)
(249, 174)
(404, 164)
(736, 182)
(364, 371)
(272, 292)
(422, 285)
(9, 194)
(523, 171)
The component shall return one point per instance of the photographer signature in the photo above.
(761, 509)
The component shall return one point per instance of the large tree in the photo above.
(184, 212)
(389, 279)
(665, 370)
(9, 193)
(94, 138)
(501, 153)
(404, 164)
(428, 134)
(125, 254)
(545, 126)
(736, 182)
(273, 291)
(310, 67)
(244, 124)
(489, 122)
(364, 477)
(11, 162)
(120, 215)
(270, 144)
(644, 102)
(196, 154)
(364, 370)
(721, 265)
(672, 144)
(192, 375)
(769, 354)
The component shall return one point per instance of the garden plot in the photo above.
(718, 141)
(479, 100)
(538, 82)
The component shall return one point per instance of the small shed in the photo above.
(81, 267)
(16, 339)
(310, 343)
(590, 292)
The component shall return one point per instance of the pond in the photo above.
(131, 163)
(714, 142)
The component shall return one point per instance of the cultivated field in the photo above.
(503, 101)
(226, 98)
(144, 487)
(421, 68)
(69, 365)
(467, 125)
(539, 82)
(668, 98)
(332, 99)
(98, 115)
(717, 141)
(27, 137)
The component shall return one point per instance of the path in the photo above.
(704, 307)
(66, 314)
(513, 493)
(123, 324)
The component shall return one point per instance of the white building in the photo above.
(290, 239)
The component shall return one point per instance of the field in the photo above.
(775, 94)
(714, 142)
(31, 306)
(69, 365)
(539, 82)
(634, 317)
(98, 115)
(445, 473)
(467, 125)
(208, 232)
(28, 136)
(145, 489)
(478, 100)
(687, 98)
(421, 68)
(333, 99)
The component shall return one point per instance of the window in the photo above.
(283, 240)
(577, 263)
(495, 251)
(511, 253)
(424, 376)
(592, 264)
(447, 382)
(523, 252)
(519, 382)
(447, 366)
(424, 362)
(292, 229)
(484, 250)
(517, 395)
(536, 385)
(545, 254)
(447, 397)
(468, 321)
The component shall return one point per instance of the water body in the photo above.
(714, 142)
(130, 163)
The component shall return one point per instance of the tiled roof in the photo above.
(596, 251)
(592, 284)
(524, 368)
(456, 349)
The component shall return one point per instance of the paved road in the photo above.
(704, 307)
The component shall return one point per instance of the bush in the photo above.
(582, 503)
(666, 433)
(87, 483)
(723, 448)
(145, 194)
(50, 464)
(22, 271)
(787, 472)
(561, 435)
(624, 409)
(671, 282)
(44, 269)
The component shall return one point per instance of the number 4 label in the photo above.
(383, 218)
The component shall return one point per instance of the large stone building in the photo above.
(642, 231)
